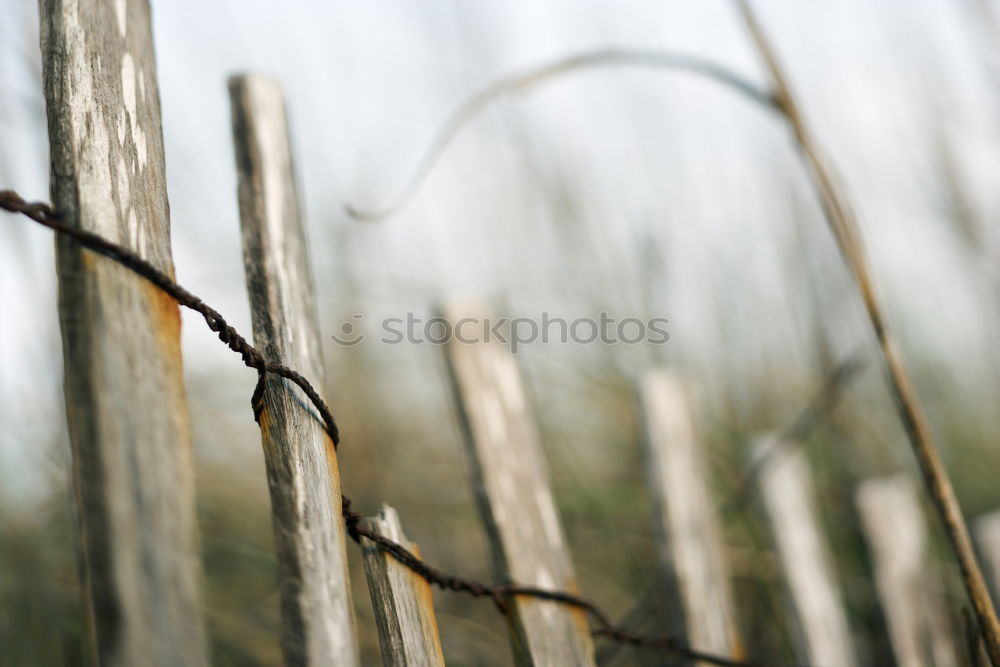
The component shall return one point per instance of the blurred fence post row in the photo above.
(686, 525)
(511, 481)
(129, 427)
(907, 583)
(786, 489)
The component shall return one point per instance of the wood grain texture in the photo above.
(404, 610)
(909, 589)
(303, 478)
(687, 528)
(125, 400)
(512, 489)
(787, 490)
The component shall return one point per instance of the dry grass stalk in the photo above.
(845, 229)
(524, 80)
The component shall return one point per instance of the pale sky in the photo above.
(648, 164)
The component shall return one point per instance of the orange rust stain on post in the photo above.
(580, 618)
(427, 598)
(331, 451)
(426, 594)
(166, 315)
(264, 418)
(423, 587)
(578, 614)
(421, 584)
(264, 422)
(332, 467)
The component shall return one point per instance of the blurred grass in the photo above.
(415, 461)
(40, 618)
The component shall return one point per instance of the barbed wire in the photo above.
(45, 215)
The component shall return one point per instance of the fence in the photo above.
(132, 470)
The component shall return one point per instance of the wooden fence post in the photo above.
(687, 529)
(303, 478)
(511, 479)
(894, 526)
(402, 600)
(987, 530)
(125, 401)
(786, 487)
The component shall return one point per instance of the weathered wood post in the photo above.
(125, 400)
(894, 526)
(987, 530)
(687, 528)
(511, 479)
(787, 490)
(317, 626)
(402, 600)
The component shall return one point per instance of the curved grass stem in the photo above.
(521, 82)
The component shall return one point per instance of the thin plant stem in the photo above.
(846, 231)
(520, 82)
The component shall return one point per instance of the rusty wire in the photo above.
(500, 594)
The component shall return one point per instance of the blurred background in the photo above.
(626, 190)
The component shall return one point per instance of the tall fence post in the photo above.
(317, 626)
(987, 530)
(787, 490)
(511, 479)
(125, 400)
(402, 600)
(686, 525)
(894, 527)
